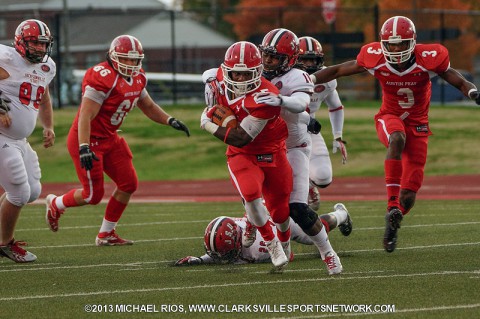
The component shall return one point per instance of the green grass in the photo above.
(161, 153)
(434, 273)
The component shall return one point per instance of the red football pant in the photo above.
(115, 159)
(414, 155)
(271, 180)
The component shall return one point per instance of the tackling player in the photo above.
(280, 49)
(110, 90)
(404, 69)
(25, 73)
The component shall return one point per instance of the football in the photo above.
(224, 116)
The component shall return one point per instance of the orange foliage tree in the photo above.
(254, 17)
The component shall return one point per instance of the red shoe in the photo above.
(111, 239)
(53, 213)
(13, 251)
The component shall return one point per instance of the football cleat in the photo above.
(313, 197)
(277, 255)
(53, 213)
(346, 227)
(111, 239)
(392, 224)
(13, 251)
(334, 266)
(249, 235)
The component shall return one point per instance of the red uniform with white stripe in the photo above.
(260, 168)
(406, 102)
(115, 157)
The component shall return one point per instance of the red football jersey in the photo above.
(406, 93)
(121, 95)
(272, 137)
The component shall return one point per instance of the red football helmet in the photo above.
(398, 30)
(242, 56)
(28, 37)
(126, 47)
(310, 49)
(223, 240)
(283, 44)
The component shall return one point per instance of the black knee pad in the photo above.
(303, 215)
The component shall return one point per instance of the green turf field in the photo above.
(161, 153)
(434, 273)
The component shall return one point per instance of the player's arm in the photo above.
(193, 261)
(45, 113)
(295, 103)
(91, 103)
(335, 71)
(239, 136)
(157, 114)
(456, 79)
(336, 115)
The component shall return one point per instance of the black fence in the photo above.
(341, 40)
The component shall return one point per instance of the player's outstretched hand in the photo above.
(339, 145)
(188, 261)
(178, 125)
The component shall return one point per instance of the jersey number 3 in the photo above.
(408, 99)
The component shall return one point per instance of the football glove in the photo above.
(475, 95)
(314, 126)
(206, 116)
(268, 98)
(339, 145)
(4, 107)
(178, 125)
(213, 90)
(87, 157)
(189, 261)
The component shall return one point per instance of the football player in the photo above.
(256, 156)
(223, 244)
(311, 59)
(280, 48)
(110, 90)
(26, 70)
(404, 69)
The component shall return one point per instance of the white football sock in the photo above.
(59, 202)
(340, 215)
(321, 241)
(107, 226)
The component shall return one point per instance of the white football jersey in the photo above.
(295, 80)
(320, 94)
(25, 86)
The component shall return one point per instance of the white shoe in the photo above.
(277, 255)
(313, 198)
(249, 235)
(346, 227)
(334, 266)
